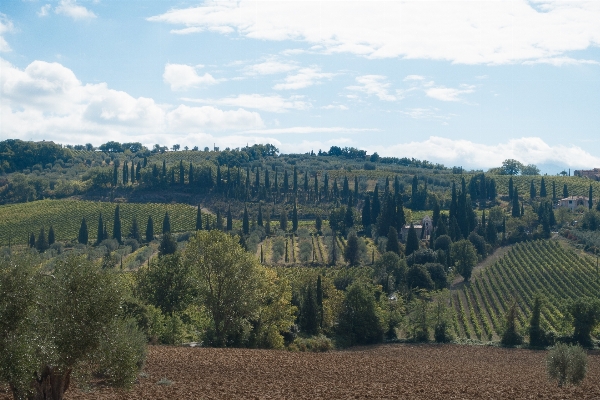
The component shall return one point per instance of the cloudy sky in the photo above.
(466, 83)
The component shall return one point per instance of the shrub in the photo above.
(566, 364)
(316, 344)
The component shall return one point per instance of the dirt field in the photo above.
(381, 372)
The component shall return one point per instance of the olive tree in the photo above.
(566, 364)
(63, 323)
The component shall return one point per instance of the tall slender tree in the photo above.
(375, 205)
(41, 244)
(199, 219)
(590, 198)
(543, 188)
(51, 238)
(83, 233)
(245, 221)
(149, 230)
(532, 191)
(366, 212)
(283, 220)
(295, 218)
(135, 230)
(516, 211)
(166, 226)
(132, 173)
(412, 241)
(191, 174)
(510, 188)
(565, 191)
(259, 218)
(125, 173)
(117, 225)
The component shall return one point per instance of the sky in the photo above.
(461, 83)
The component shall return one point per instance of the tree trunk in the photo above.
(51, 384)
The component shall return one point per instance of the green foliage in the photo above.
(585, 316)
(361, 318)
(412, 241)
(352, 252)
(167, 284)
(511, 335)
(464, 257)
(62, 323)
(168, 245)
(566, 364)
(418, 277)
(418, 319)
(315, 344)
(83, 233)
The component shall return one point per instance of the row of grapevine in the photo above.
(545, 267)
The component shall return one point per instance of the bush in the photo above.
(566, 364)
(316, 344)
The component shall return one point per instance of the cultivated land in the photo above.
(380, 372)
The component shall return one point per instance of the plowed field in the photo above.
(381, 372)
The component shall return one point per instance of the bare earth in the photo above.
(379, 372)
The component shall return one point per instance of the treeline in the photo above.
(17, 155)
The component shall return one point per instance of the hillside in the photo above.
(544, 266)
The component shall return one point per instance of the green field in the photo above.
(545, 267)
(17, 221)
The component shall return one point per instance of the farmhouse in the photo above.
(591, 174)
(423, 229)
(573, 202)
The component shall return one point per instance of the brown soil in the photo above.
(380, 372)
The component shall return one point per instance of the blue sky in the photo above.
(466, 83)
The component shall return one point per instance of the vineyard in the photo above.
(544, 267)
(17, 221)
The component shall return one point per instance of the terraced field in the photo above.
(545, 267)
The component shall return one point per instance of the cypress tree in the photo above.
(125, 173)
(532, 191)
(352, 252)
(41, 243)
(166, 227)
(320, 300)
(453, 202)
(181, 173)
(267, 180)
(164, 169)
(553, 191)
(334, 189)
(333, 251)
(135, 230)
(219, 177)
(168, 245)
(268, 224)
(349, 215)
(245, 221)
(436, 213)
(375, 205)
(516, 211)
(83, 232)
(287, 258)
(392, 241)
(522, 209)
(316, 190)
(262, 258)
(536, 334)
(306, 181)
(117, 226)
(230, 220)
(172, 176)
(115, 175)
(543, 188)
(150, 230)
(219, 220)
(259, 218)
(565, 191)
(132, 173)
(345, 189)
(105, 232)
(318, 223)
(295, 180)
(309, 313)
(138, 172)
(145, 162)
(598, 206)
(366, 212)
(283, 220)
(285, 182)
(257, 179)
(510, 188)
(412, 241)
(51, 238)
(590, 200)
(191, 174)
(326, 186)
(295, 218)
(199, 218)
(32, 240)
(491, 235)
(355, 189)
(400, 217)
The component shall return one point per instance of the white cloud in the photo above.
(562, 61)
(373, 85)
(414, 78)
(47, 101)
(309, 130)
(269, 68)
(449, 94)
(335, 107)
(528, 150)
(183, 77)
(305, 77)
(273, 103)
(6, 26)
(466, 32)
(70, 8)
(425, 113)
(44, 10)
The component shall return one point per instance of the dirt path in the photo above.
(458, 282)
